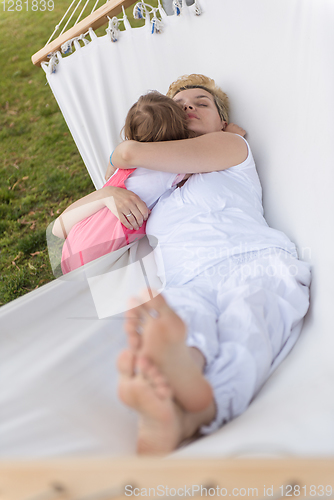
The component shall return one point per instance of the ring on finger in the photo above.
(128, 214)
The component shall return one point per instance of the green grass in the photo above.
(41, 171)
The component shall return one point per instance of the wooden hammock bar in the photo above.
(94, 21)
(119, 479)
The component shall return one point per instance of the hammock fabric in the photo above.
(58, 350)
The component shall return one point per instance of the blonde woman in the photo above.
(235, 294)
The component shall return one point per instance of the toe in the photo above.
(126, 363)
(133, 326)
(154, 377)
(143, 365)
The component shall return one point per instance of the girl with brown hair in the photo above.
(106, 219)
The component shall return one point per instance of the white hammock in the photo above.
(274, 60)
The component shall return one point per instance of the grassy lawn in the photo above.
(41, 171)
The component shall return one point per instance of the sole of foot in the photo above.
(158, 334)
(143, 388)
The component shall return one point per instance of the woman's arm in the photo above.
(119, 201)
(206, 153)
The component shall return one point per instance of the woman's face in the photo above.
(203, 116)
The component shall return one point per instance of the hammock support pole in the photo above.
(94, 21)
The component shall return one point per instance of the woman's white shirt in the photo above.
(210, 218)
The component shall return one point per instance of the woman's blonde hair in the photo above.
(156, 117)
(203, 82)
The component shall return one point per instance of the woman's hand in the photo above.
(126, 206)
(235, 129)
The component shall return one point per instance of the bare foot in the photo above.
(162, 340)
(160, 419)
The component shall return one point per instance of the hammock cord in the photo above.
(57, 27)
(59, 24)
(78, 19)
(64, 28)
(97, 1)
(143, 10)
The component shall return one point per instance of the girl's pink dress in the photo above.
(98, 234)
